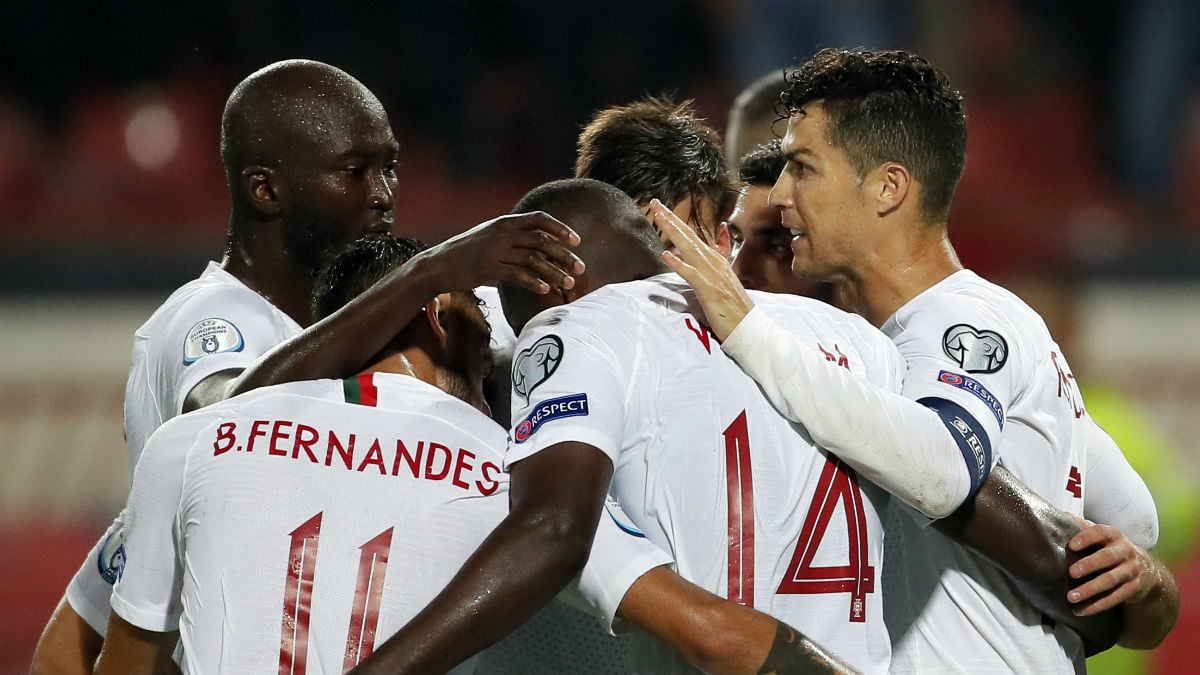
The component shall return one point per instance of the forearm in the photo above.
(341, 344)
(899, 444)
(1147, 621)
(1025, 536)
(519, 568)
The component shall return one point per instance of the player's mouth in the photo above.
(383, 225)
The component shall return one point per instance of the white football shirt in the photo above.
(285, 527)
(210, 324)
(971, 342)
(703, 464)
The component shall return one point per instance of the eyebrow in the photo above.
(791, 156)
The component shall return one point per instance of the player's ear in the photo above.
(436, 319)
(890, 186)
(724, 241)
(262, 189)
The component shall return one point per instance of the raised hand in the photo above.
(530, 249)
(722, 296)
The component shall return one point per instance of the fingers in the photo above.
(679, 233)
(546, 223)
(1092, 535)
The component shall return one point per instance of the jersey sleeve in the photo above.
(90, 589)
(221, 330)
(899, 445)
(964, 363)
(620, 555)
(568, 384)
(147, 589)
(1114, 493)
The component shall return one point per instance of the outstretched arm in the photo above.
(556, 499)
(719, 636)
(530, 249)
(1119, 573)
(1026, 537)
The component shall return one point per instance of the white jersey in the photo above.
(210, 324)
(977, 345)
(703, 464)
(287, 507)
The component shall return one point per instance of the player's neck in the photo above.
(911, 267)
(271, 276)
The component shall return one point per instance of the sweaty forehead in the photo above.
(806, 131)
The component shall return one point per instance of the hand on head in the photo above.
(530, 249)
(722, 296)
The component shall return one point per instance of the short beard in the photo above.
(310, 240)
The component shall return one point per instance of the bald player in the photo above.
(753, 117)
(309, 158)
(559, 482)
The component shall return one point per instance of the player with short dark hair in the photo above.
(875, 145)
(309, 158)
(657, 148)
(649, 393)
(762, 245)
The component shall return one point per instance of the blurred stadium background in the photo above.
(1080, 191)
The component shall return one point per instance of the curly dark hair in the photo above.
(888, 106)
(656, 148)
(762, 165)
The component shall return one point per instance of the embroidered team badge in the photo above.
(110, 561)
(977, 351)
(535, 365)
(211, 336)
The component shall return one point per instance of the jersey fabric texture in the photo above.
(950, 610)
(210, 324)
(704, 466)
(288, 507)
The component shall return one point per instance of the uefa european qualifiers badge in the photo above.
(211, 336)
(535, 365)
(575, 405)
(977, 351)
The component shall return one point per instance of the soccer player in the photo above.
(753, 119)
(657, 148)
(406, 436)
(875, 146)
(762, 245)
(625, 378)
(309, 158)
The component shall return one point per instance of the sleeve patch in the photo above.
(535, 365)
(970, 436)
(110, 561)
(211, 336)
(976, 388)
(977, 351)
(575, 405)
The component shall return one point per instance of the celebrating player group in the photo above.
(685, 411)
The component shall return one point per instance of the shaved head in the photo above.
(617, 242)
(286, 108)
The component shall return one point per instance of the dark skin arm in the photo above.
(129, 649)
(556, 498)
(1027, 538)
(1118, 573)
(718, 636)
(530, 249)
(68, 644)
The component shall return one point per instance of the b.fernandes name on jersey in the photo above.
(426, 460)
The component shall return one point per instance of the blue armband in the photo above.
(972, 440)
